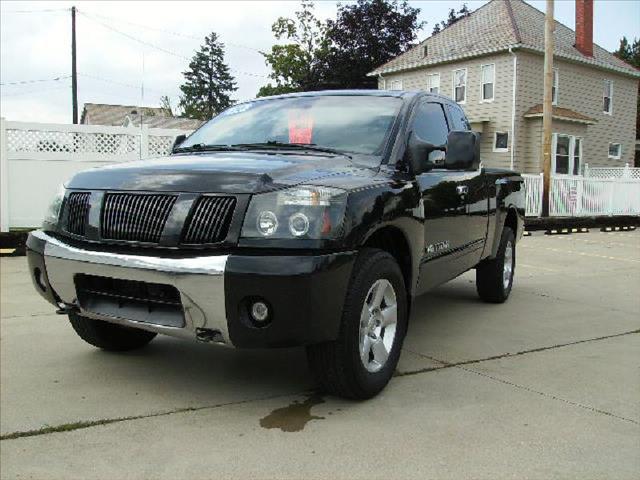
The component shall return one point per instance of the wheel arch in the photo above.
(394, 241)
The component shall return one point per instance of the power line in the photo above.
(107, 80)
(135, 39)
(44, 10)
(161, 49)
(25, 82)
(35, 92)
(170, 32)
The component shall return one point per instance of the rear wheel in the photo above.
(361, 361)
(494, 278)
(109, 336)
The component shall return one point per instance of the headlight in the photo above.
(307, 212)
(53, 212)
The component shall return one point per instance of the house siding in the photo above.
(580, 89)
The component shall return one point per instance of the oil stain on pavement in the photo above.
(293, 417)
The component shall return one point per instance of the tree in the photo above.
(452, 18)
(630, 53)
(208, 82)
(295, 66)
(165, 104)
(364, 36)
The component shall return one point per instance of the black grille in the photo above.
(135, 217)
(131, 299)
(78, 210)
(210, 220)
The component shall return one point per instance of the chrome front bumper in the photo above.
(199, 280)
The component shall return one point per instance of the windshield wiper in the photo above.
(291, 146)
(202, 147)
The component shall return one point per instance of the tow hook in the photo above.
(208, 335)
(66, 309)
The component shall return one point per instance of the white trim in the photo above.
(570, 153)
(519, 46)
(395, 82)
(556, 85)
(453, 85)
(429, 86)
(614, 157)
(610, 82)
(495, 140)
(514, 83)
(493, 83)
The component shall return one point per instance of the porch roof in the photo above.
(560, 113)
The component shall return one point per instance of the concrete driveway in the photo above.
(544, 386)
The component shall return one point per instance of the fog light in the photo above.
(259, 312)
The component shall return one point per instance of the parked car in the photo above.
(309, 219)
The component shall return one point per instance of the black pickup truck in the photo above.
(308, 219)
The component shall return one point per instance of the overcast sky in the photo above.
(36, 45)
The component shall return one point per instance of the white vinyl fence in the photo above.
(35, 158)
(604, 192)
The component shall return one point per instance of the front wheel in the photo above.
(494, 278)
(361, 361)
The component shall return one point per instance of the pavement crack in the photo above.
(462, 366)
(445, 364)
(548, 395)
(68, 427)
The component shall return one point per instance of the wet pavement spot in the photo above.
(293, 417)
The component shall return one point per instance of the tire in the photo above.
(109, 336)
(493, 280)
(338, 366)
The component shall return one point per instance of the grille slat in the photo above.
(210, 220)
(135, 217)
(78, 208)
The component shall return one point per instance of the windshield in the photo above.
(356, 124)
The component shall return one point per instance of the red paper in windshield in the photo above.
(300, 127)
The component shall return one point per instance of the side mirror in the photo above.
(463, 151)
(418, 152)
(176, 143)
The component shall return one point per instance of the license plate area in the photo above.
(153, 303)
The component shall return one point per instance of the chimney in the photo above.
(584, 27)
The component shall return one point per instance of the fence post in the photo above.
(144, 141)
(4, 178)
(540, 194)
(586, 170)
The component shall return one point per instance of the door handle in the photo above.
(462, 190)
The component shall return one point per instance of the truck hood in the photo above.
(220, 172)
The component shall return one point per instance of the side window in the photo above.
(458, 118)
(430, 125)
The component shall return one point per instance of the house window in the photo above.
(488, 80)
(577, 155)
(501, 142)
(607, 97)
(567, 154)
(554, 88)
(615, 151)
(396, 85)
(433, 83)
(460, 85)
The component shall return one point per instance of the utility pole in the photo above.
(74, 72)
(547, 107)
